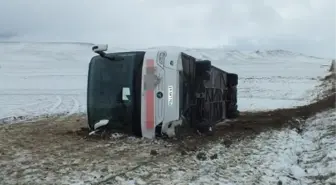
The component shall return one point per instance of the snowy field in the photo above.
(42, 79)
(46, 79)
(273, 157)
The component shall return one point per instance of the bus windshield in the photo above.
(105, 83)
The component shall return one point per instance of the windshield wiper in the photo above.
(113, 58)
(101, 52)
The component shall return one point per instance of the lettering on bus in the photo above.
(170, 95)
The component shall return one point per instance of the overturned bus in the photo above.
(155, 93)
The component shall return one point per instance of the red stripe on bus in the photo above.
(150, 101)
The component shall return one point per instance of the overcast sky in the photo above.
(306, 26)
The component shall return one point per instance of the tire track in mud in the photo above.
(75, 107)
(58, 103)
(50, 111)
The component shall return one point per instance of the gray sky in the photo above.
(306, 26)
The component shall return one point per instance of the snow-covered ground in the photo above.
(273, 157)
(50, 78)
(38, 79)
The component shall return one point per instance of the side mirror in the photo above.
(99, 48)
(126, 94)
